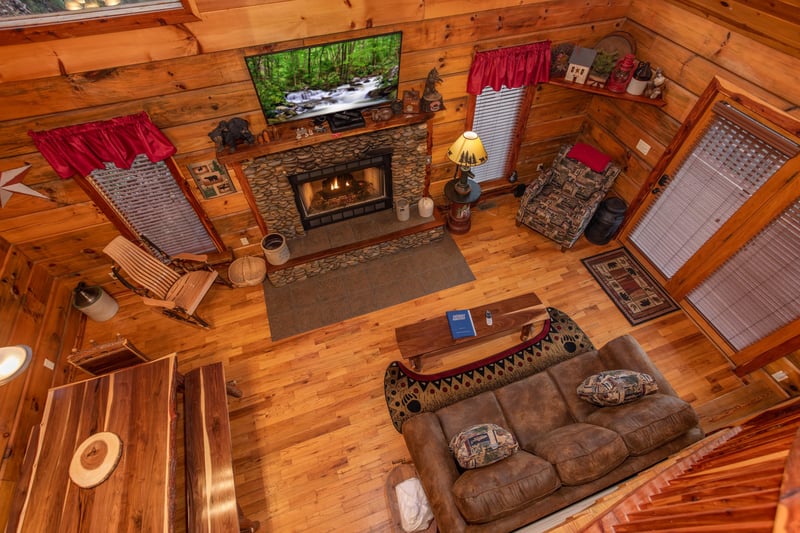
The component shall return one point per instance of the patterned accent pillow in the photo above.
(616, 387)
(482, 445)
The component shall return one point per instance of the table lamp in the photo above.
(466, 152)
(13, 362)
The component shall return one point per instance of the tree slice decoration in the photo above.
(95, 459)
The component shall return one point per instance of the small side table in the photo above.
(459, 219)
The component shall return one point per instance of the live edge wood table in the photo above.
(74, 481)
(432, 336)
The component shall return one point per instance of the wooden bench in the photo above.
(210, 494)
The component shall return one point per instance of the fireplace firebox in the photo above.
(344, 191)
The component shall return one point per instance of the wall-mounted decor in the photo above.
(11, 182)
(211, 178)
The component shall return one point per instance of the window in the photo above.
(31, 20)
(149, 202)
(721, 227)
(496, 121)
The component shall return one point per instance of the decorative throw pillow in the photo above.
(482, 445)
(590, 156)
(616, 387)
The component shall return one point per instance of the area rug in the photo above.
(360, 289)
(408, 393)
(630, 287)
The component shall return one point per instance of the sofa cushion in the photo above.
(582, 452)
(482, 445)
(527, 424)
(488, 493)
(480, 409)
(615, 387)
(649, 423)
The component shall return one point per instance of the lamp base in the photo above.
(462, 189)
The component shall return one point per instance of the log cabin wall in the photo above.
(188, 77)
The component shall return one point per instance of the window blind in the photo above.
(147, 197)
(729, 162)
(495, 122)
(757, 290)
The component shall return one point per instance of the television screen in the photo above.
(328, 78)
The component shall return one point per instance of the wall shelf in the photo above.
(602, 91)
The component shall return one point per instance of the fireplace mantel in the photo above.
(283, 137)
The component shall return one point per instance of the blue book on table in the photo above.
(461, 324)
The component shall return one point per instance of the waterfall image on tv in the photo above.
(328, 78)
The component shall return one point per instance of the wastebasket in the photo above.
(606, 220)
(94, 302)
(275, 248)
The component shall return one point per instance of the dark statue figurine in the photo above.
(431, 98)
(229, 133)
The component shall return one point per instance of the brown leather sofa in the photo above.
(568, 447)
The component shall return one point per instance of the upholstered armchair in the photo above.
(561, 200)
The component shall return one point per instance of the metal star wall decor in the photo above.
(11, 182)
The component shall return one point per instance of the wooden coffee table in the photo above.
(432, 336)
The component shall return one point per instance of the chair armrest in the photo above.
(536, 186)
(430, 452)
(158, 303)
(198, 258)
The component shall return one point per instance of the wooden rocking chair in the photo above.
(174, 287)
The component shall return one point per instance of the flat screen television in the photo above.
(337, 78)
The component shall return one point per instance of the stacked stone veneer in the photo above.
(268, 175)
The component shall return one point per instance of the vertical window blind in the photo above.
(757, 290)
(152, 204)
(495, 122)
(732, 158)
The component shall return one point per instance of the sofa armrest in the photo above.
(625, 353)
(430, 452)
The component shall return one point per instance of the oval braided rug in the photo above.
(409, 393)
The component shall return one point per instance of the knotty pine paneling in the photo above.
(191, 76)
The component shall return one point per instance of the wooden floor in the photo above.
(313, 443)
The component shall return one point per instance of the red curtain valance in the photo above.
(513, 67)
(82, 148)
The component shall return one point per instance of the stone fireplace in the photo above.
(269, 175)
(309, 191)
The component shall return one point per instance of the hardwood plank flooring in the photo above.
(312, 440)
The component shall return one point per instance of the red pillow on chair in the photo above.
(589, 156)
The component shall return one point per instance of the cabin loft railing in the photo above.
(742, 478)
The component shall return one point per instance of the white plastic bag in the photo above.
(415, 513)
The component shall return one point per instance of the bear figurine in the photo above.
(230, 133)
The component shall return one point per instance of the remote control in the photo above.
(488, 318)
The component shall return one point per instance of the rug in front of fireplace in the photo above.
(635, 293)
(356, 290)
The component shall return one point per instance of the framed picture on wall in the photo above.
(212, 179)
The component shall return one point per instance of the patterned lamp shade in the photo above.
(468, 150)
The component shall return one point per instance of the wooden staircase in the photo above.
(742, 478)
